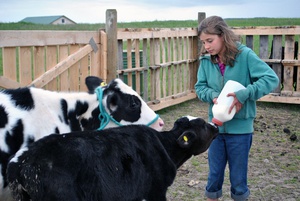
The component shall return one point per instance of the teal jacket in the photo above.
(249, 70)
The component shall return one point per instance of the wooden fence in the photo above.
(278, 46)
(160, 64)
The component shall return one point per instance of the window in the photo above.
(63, 21)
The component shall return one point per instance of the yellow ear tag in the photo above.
(185, 138)
(102, 84)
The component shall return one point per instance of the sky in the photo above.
(94, 11)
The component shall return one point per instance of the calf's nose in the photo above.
(158, 125)
(161, 123)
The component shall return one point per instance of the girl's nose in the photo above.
(206, 46)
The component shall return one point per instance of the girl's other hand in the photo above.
(236, 103)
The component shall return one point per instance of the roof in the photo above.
(44, 19)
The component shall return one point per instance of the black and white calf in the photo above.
(28, 114)
(127, 163)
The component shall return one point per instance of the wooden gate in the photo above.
(54, 60)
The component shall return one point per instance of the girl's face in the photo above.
(214, 44)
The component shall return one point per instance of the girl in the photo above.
(225, 58)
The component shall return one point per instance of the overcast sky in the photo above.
(93, 11)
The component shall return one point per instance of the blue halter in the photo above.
(104, 117)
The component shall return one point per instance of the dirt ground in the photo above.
(274, 164)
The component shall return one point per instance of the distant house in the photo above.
(59, 19)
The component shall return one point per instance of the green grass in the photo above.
(239, 22)
(30, 26)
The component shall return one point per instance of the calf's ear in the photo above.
(186, 139)
(92, 82)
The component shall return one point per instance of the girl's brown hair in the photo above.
(215, 25)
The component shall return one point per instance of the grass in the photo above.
(234, 22)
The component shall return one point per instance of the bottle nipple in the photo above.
(217, 122)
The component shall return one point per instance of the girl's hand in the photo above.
(235, 103)
(215, 101)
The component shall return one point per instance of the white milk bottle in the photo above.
(221, 109)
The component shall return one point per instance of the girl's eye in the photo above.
(207, 41)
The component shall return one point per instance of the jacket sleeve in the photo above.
(263, 79)
(203, 91)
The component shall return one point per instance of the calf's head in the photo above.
(194, 136)
(121, 105)
(198, 134)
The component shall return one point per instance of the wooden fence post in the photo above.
(112, 45)
(201, 17)
(196, 52)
